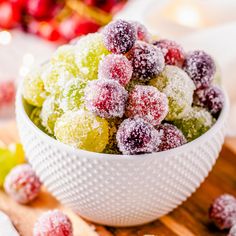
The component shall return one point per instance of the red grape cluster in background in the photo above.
(57, 20)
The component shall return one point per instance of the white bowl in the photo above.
(119, 190)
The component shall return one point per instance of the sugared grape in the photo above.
(50, 113)
(53, 223)
(7, 92)
(178, 87)
(173, 52)
(35, 117)
(147, 61)
(72, 96)
(116, 67)
(223, 211)
(211, 98)
(195, 123)
(22, 184)
(33, 88)
(119, 36)
(89, 51)
(171, 137)
(141, 31)
(106, 98)
(200, 67)
(9, 158)
(136, 136)
(232, 231)
(148, 103)
(82, 129)
(56, 75)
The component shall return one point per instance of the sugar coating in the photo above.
(195, 123)
(50, 113)
(171, 137)
(147, 61)
(223, 211)
(200, 67)
(22, 184)
(65, 53)
(232, 231)
(53, 223)
(116, 67)
(119, 36)
(33, 88)
(83, 130)
(147, 102)
(136, 136)
(141, 31)
(106, 98)
(56, 75)
(173, 52)
(211, 98)
(89, 51)
(178, 87)
(72, 96)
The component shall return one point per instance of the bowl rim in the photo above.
(218, 124)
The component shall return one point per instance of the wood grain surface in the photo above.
(190, 219)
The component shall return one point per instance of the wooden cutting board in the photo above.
(190, 219)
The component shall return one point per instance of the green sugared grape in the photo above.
(89, 51)
(66, 54)
(9, 158)
(112, 147)
(178, 87)
(50, 113)
(195, 123)
(72, 97)
(56, 75)
(82, 129)
(33, 88)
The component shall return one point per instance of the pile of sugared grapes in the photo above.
(119, 91)
(57, 20)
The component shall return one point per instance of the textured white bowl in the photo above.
(120, 190)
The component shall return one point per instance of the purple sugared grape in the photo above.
(141, 31)
(171, 137)
(106, 98)
(200, 67)
(119, 36)
(223, 211)
(173, 52)
(211, 98)
(148, 103)
(136, 136)
(116, 67)
(147, 61)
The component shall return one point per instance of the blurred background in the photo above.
(30, 30)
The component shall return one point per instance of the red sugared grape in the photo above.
(141, 31)
(173, 52)
(53, 223)
(211, 98)
(7, 92)
(171, 137)
(223, 211)
(147, 61)
(148, 103)
(119, 36)
(116, 67)
(22, 184)
(106, 98)
(136, 136)
(200, 67)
